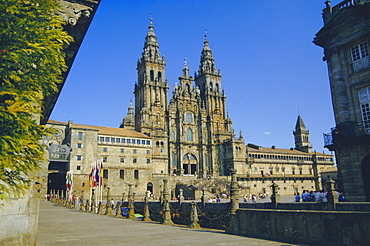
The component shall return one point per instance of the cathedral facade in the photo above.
(187, 139)
(192, 134)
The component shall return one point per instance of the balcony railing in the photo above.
(330, 11)
(361, 64)
(346, 132)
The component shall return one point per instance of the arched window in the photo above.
(151, 75)
(173, 159)
(159, 76)
(211, 86)
(189, 117)
(189, 135)
(216, 89)
(172, 135)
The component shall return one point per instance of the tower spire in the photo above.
(301, 136)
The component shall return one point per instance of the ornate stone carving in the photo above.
(71, 12)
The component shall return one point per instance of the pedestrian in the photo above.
(341, 197)
(305, 196)
(297, 197)
(112, 203)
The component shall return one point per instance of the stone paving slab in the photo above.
(62, 226)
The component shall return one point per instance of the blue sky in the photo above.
(271, 69)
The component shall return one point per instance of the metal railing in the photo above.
(346, 132)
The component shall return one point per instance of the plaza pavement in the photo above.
(59, 225)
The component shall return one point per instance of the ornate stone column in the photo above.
(232, 226)
(166, 211)
(181, 196)
(194, 217)
(332, 196)
(131, 208)
(146, 207)
(275, 197)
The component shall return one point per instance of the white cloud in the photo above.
(267, 133)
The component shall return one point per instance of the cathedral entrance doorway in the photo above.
(365, 168)
(189, 164)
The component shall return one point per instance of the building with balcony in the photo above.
(345, 38)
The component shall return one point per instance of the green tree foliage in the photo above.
(31, 64)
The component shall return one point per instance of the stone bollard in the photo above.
(232, 226)
(203, 198)
(118, 210)
(180, 199)
(332, 196)
(99, 208)
(166, 211)
(275, 197)
(146, 207)
(108, 210)
(194, 217)
(131, 207)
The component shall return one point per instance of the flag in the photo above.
(90, 176)
(97, 174)
(101, 174)
(69, 180)
(93, 176)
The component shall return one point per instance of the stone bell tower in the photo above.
(151, 100)
(151, 90)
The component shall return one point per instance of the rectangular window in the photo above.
(113, 140)
(78, 167)
(142, 141)
(148, 151)
(118, 140)
(79, 146)
(80, 135)
(122, 150)
(360, 57)
(105, 149)
(79, 158)
(105, 159)
(134, 151)
(106, 139)
(128, 141)
(123, 140)
(133, 141)
(148, 161)
(122, 174)
(122, 159)
(359, 51)
(105, 173)
(101, 139)
(136, 174)
(148, 142)
(134, 160)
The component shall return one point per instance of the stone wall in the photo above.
(308, 227)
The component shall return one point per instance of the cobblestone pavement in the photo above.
(62, 226)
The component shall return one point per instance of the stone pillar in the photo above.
(332, 196)
(131, 208)
(181, 196)
(194, 217)
(108, 211)
(146, 207)
(232, 226)
(118, 210)
(203, 198)
(166, 211)
(275, 197)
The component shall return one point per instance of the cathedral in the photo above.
(187, 139)
(192, 134)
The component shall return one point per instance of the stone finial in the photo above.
(194, 217)
(146, 207)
